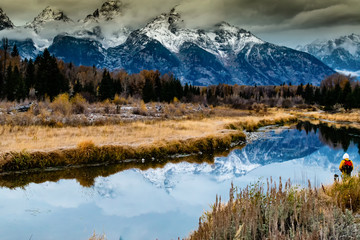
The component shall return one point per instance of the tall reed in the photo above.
(276, 211)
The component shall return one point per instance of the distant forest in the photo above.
(47, 77)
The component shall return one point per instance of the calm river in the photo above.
(166, 202)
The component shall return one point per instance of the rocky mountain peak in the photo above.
(108, 11)
(5, 22)
(167, 21)
(48, 15)
(228, 28)
(112, 5)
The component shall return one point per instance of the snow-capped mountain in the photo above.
(108, 11)
(222, 54)
(169, 30)
(5, 21)
(105, 25)
(342, 53)
(48, 16)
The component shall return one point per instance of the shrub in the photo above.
(119, 100)
(286, 103)
(141, 109)
(62, 104)
(78, 104)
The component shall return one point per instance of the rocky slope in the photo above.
(5, 22)
(342, 53)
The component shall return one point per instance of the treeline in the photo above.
(47, 77)
(334, 91)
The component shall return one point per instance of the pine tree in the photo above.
(148, 93)
(346, 91)
(187, 91)
(5, 46)
(179, 92)
(324, 95)
(106, 87)
(308, 95)
(300, 90)
(10, 85)
(317, 95)
(77, 87)
(117, 87)
(356, 95)
(49, 80)
(15, 52)
(19, 85)
(158, 87)
(30, 75)
(336, 93)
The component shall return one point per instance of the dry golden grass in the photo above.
(44, 138)
(353, 116)
(24, 148)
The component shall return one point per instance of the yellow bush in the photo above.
(61, 104)
(119, 100)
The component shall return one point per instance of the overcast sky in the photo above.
(285, 22)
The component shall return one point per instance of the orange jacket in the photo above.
(342, 166)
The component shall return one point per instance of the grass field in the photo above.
(26, 147)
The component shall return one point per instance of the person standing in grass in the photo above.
(346, 166)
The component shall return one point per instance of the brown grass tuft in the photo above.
(277, 212)
(87, 144)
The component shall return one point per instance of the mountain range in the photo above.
(222, 54)
(341, 53)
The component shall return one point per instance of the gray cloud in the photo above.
(246, 12)
(296, 13)
(259, 16)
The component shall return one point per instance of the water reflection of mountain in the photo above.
(336, 138)
(306, 146)
(273, 147)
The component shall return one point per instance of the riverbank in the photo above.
(338, 119)
(40, 147)
(282, 211)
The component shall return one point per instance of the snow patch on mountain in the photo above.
(339, 53)
(347, 73)
(169, 29)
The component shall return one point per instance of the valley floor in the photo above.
(37, 145)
